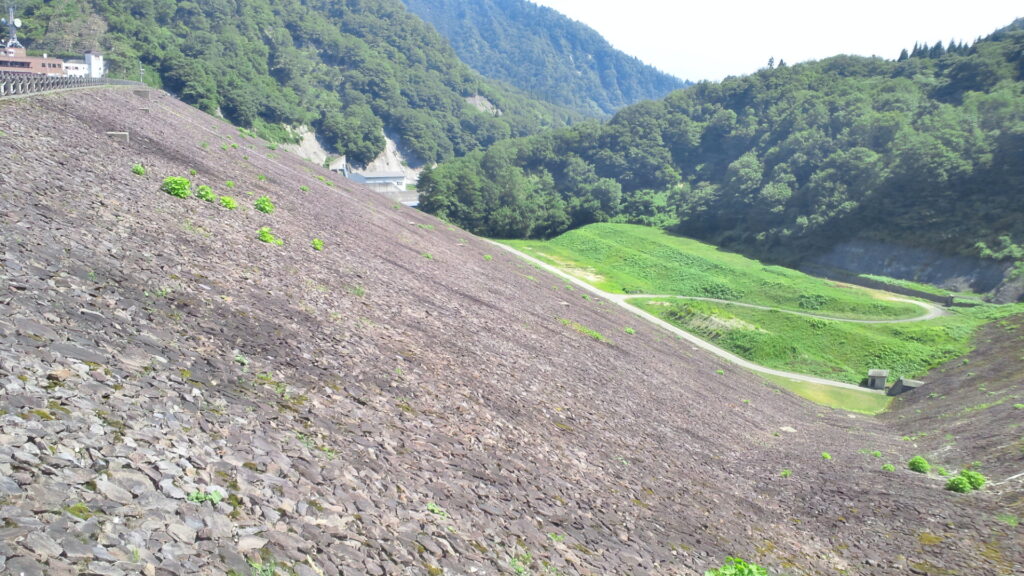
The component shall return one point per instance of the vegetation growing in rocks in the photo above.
(737, 567)
(228, 202)
(958, 484)
(583, 329)
(138, 169)
(177, 186)
(201, 496)
(317, 244)
(265, 234)
(206, 193)
(919, 464)
(263, 204)
(975, 479)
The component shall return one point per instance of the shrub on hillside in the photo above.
(958, 484)
(265, 235)
(263, 204)
(976, 479)
(177, 186)
(204, 192)
(737, 567)
(919, 464)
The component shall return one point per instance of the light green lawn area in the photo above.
(833, 349)
(834, 397)
(631, 259)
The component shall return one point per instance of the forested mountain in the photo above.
(926, 151)
(544, 53)
(350, 68)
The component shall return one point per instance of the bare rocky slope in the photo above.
(410, 400)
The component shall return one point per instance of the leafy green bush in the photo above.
(177, 186)
(138, 169)
(228, 202)
(826, 455)
(888, 467)
(976, 479)
(265, 235)
(263, 204)
(737, 567)
(317, 244)
(200, 496)
(919, 464)
(204, 192)
(958, 484)
(230, 184)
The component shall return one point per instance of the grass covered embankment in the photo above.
(833, 349)
(631, 259)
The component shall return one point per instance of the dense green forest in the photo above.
(350, 68)
(926, 150)
(544, 53)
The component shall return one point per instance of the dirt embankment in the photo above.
(972, 409)
(407, 401)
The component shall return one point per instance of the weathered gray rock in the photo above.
(113, 491)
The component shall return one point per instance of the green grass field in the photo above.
(834, 397)
(833, 349)
(630, 259)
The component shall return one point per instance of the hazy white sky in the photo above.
(712, 39)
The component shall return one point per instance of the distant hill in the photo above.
(824, 160)
(350, 69)
(545, 53)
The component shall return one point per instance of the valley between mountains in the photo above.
(179, 397)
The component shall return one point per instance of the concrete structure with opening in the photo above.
(877, 378)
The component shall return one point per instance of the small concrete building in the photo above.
(904, 385)
(877, 378)
(381, 181)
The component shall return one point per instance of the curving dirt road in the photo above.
(931, 311)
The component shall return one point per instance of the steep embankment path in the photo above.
(177, 397)
(622, 300)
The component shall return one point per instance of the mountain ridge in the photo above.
(544, 53)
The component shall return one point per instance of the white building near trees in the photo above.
(92, 66)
